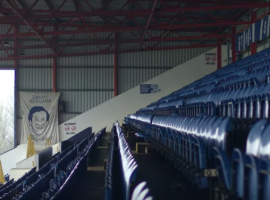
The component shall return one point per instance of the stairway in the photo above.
(92, 185)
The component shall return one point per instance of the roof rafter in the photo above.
(30, 25)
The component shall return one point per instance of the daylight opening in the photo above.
(7, 86)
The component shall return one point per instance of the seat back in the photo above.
(254, 137)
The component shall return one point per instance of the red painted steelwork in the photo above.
(219, 53)
(233, 44)
(101, 42)
(15, 45)
(54, 73)
(54, 63)
(115, 67)
(185, 15)
(149, 19)
(123, 29)
(110, 52)
(253, 46)
(30, 25)
(137, 13)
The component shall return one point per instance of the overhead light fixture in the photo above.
(6, 43)
(22, 53)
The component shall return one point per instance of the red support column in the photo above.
(16, 46)
(219, 57)
(54, 74)
(54, 63)
(233, 44)
(253, 46)
(115, 67)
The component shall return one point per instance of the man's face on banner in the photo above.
(39, 122)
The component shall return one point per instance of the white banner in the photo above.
(40, 118)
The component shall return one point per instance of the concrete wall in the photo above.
(12, 157)
(130, 101)
(30, 162)
(18, 173)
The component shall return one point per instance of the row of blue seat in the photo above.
(193, 142)
(180, 137)
(250, 102)
(181, 134)
(251, 71)
(109, 168)
(53, 174)
(131, 190)
(209, 123)
(246, 175)
(75, 174)
(12, 189)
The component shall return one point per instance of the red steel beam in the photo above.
(219, 57)
(17, 20)
(253, 46)
(149, 19)
(115, 67)
(30, 25)
(138, 12)
(215, 2)
(110, 52)
(233, 44)
(54, 73)
(103, 42)
(54, 63)
(10, 28)
(120, 29)
(15, 45)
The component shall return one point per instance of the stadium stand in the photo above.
(216, 129)
(54, 179)
(58, 178)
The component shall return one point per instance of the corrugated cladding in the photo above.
(36, 63)
(132, 77)
(7, 64)
(85, 78)
(86, 61)
(136, 68)
(168, 58)
(81, 101)
(34, 79)
(62, 117)
(87, 81)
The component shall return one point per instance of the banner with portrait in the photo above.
(39, 118)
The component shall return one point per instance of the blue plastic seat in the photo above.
(237, 174)
(141, 192)
(224, 127)
(254, 137)
(251, 184)
(264, 179)
(223, 165)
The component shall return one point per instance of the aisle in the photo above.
(92, 184)
(163, 179)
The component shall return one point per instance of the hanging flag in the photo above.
(40, 118)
